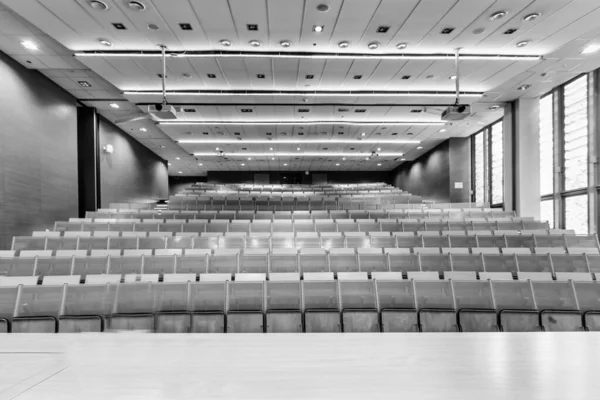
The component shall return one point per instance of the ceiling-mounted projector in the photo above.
(456, 112)
(162, 111)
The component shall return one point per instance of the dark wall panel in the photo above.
(428, 176)
(38, 152)
(276, 177)
(132, 172)
(460, 169)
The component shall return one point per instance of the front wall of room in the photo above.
(277, 177)
(428, 176)
(132, 172)
(38, 152)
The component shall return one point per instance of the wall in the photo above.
(460, 169)
(38, 152)
(428, 176)
(132, 172)
(178, 183)
(275, 177)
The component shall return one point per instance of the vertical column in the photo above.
(460, 170)
(526, 163)
(508, 128)
(87, 160)
(594, 151)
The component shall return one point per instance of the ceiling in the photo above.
(231, 94)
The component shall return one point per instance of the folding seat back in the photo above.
(325, 225)
(54, 266)
(490, 241)
(435, 304)
(332, 240)
(196, 226)
(208, 302)
(343, 260)
(38, 309)
(180, 242)
(260, 226)
(61, 243)
(224, 261)
(588, 299)
(390, 225)
(121, 243)
(520, 241)
(569, 263)
(407, 240)
(245, 314)
(534, 263)
(95, 265)
(313, 260)
(461, 240)
(206, 242)
(254, 261)
(28, 243)
(344, 225)
(435, 262)
(258, 241)
(282, 226)
(535, 225)
(359, 306)
(358, 214)
(516, 306)
(412, 226)
(283, 240)
(217, 226)
(125, 265)
(558, 306)
(474, 303)
(86, 308)
(582, 242)
(282, 216)
(500, 263)
(467, 262)
(159, 264)
(133, 308)
(232, 241)
(357, 240)
(396, 301)
(321, 306)
(193, 261)
(152, 243)
(372, 260)
(283, 260)
(239, 225)
(434, 239)
(402, 262)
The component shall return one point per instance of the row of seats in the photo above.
(316, 260)
(328, 240)
(303, 306)
(403, 216)
(322, 225)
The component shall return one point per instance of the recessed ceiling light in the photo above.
(169, 163)
(343, 44)
(363, 134)
(498, 15)
(343, 158)
(383, 29)
(273, 158)
(120, 26)
(453, 77)
(318, 28)
(29, 45)
(225, 42)
(162, 146)
(242, 164)
(531, 17)
(200, 164)
(403, 159)
(357, 76)
(285, 165)
(443, 130)
(254, 43)
(180, 172)
(270, 149)
(216, 148)
(114, 105)
(323, 7)
(419, 148)
(285, 43)
(298, 148)
(401, 46)
(494, 107)
(143, 129)
(592, 48)
(98, 5)
(177, 158)
(522, 88)
(478, 31)
(368, 158)
(379, 165)
(337, 165)
(523, 43)
(510, 31)
(153, 27)
(379, 149)
(136, 5)
(373, 45)
(105, 42)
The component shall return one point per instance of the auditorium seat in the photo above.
(372, 260)
(254, 261)
(343, 260)
(399, 261)
(208, 305)
(435, 262)
(466, 262)
(283, 261)
(499, 262)
(86, 308)
(313, 260)
(558, 306)
(321, 303)
(588, 299)
(358, 303)
(474, 303)
(516, 306)
(37, 309)
(245, 307)
(435, 306)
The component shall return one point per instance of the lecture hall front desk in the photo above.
(465, 366)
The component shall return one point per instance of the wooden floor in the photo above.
(304, 366)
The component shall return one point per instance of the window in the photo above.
(479, 168)
(547, 145)
(497, 163)
(576, 134)
(576, 213)
(547, 212)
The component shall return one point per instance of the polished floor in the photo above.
(288, 366)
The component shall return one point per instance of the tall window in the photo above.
(576, 134)
(547, 145)
(547, 212)
(576, 213)
(488, 165)
(479, 168)
(497, 163)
